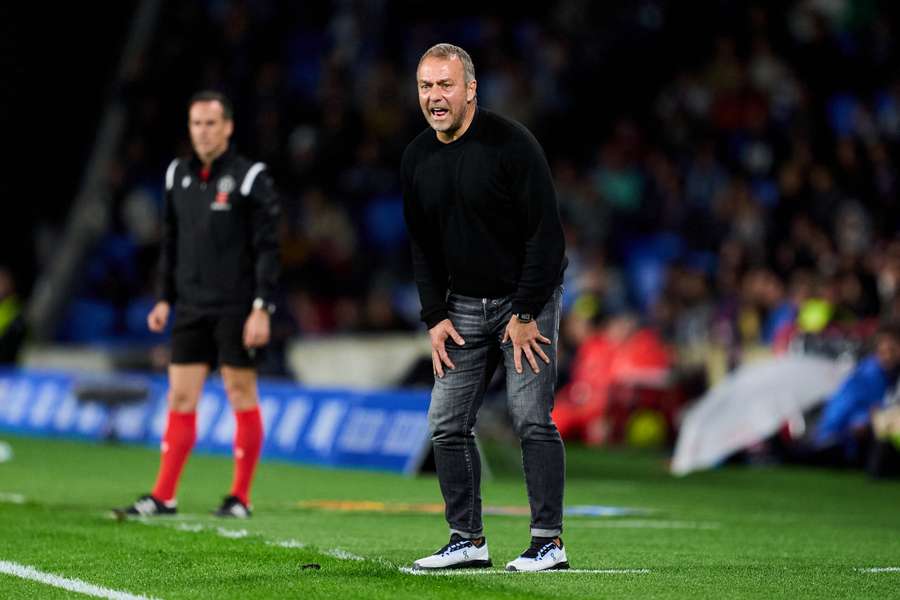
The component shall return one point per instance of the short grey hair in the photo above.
(449, 51)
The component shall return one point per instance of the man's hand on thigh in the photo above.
(439, 334)
(526, 339)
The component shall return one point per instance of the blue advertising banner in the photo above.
(337, 428)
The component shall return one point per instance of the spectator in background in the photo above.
(845, 419)
(622, 351)
(884, 458)
(12, 323)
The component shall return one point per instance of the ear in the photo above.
(470, 90)
(229, 127)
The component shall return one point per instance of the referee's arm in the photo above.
(165, 291)
(265, 211)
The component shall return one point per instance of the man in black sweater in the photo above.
(488, 255)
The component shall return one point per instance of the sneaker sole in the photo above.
(472, 564)
(557, 567)
(123, 514)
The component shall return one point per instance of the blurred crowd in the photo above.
(725, 176)
(758, 199)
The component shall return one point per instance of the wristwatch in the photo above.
(524, 317)
(260, 304)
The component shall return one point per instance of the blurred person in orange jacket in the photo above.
(621, 352)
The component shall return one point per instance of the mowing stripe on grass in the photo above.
(643, 524)
(66, 583)
(462, 572)
(880, 570)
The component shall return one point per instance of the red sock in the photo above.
(248, 440)
(181, 431)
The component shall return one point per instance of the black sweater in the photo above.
(220, 240)
(482, 217)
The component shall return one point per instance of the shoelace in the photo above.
(537, 550)
(453, 545)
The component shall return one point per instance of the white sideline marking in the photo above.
(880, 570)
(645, 524)
(233, 534)
(12, 498)
(66, 583)
(459, 572)
(286, 544)
(338, 553)
(342, 554)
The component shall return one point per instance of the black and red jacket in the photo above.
(220, 235)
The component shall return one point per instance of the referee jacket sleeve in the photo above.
(165, 288)
(265, 212)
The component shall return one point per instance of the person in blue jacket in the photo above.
(846, 417)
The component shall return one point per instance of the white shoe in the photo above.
(541, 556)
(459, 553)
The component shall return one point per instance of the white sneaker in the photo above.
(459, 553)
(541, 556)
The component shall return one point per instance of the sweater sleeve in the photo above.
(544, 256)
(429, 268)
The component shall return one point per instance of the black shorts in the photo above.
(211, 338)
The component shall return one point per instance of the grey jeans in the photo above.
(457, 396)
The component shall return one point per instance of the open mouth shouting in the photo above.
(439, 113)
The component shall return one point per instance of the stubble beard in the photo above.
(448, 127)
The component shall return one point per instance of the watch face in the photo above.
(524, 317)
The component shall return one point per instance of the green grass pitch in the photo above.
(729, 533)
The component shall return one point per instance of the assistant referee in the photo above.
(218, 270)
